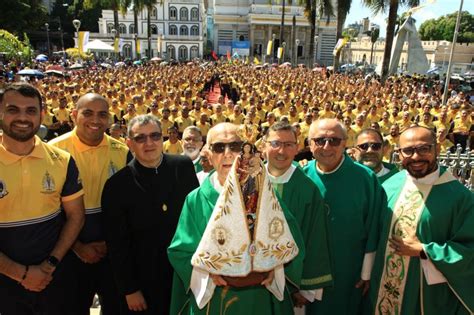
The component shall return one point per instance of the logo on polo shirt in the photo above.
(49, 186)
(3, 189)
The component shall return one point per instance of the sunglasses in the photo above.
(420, 150)
(375, 146)
(275, 144)
(333, 141)
(154, 136)
(219, 147)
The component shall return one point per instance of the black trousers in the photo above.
(96, 278)
(56, 299)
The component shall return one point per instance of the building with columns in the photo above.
(253, 22)
(176, 30)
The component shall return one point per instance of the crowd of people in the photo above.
(111, 181)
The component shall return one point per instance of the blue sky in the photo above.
(435, 10)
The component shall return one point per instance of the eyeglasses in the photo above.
(219, 147)
(373, 145)
(423, 149)
(275, 144)
(154, 136)
(190, 139)
(333, 141)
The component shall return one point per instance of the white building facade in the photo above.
(176, 31)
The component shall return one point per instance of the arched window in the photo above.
(122, 29)
(173, 30)
(194, 30)
(154, 29)
(110, 27)
(183, 14)
(127, 51)
(171, 52)
(131, 29)
(194, 14)
(183, 53)
(183, 30)
(153, 13)
(194, 52)
(173, 13)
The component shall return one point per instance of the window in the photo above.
(194, 30)
(171, 52)
(127, 51)
(183, 30)
(183, 53)
(110, 27)
(131, 29)
(173, 30)
(173, 13)
(122, 29)
(153, 13)
(194, 51)
(183, 14)
(154, 29)
(194, 14)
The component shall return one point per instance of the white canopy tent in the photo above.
(98, 45)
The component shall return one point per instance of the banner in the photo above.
(116, 45)
(228, 55)
(256, 61)
(82, 40)
(269, 47)
(214, 55)
(280, 52)
(138, 48)
(340, 43)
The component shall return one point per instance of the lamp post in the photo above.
(316, 38)
(296, 54)
(60, 29)
(114, 34)
(46, 25)
(273, 47)
(77, 25)
(135, 37)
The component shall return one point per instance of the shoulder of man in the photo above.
(393, 183)
(61, 140)
(177, 160)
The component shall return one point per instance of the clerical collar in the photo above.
(429, 179)
(334, 170)
(215, 182)
(196, 160)
(383, 171)
(284, 178)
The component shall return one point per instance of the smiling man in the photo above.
(98, 157)
(354, 199)
(425, 257)
(192, 145)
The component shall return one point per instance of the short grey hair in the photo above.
(142, 120)
(193, 129)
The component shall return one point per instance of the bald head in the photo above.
(224, 128)
(329, 124)
(90, 97)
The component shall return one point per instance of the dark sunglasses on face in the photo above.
(423, 149)
(154, 136)
(275, 144)
(375, 146)
(219, 147)
(333, 141)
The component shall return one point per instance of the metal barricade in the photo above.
(460, 164)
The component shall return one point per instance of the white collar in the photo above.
(330, 172)
(383, 171)
(282, 179)
(215, 183)
(196, 160)
(429, 179)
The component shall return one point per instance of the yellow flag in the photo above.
(269, 47)
(138, 47)
(256, 61)
(116, 45)
(246, 60)
(280, 52)
(82, 40)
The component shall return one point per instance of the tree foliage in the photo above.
(443, 27)
(20, 16)
(14, 48)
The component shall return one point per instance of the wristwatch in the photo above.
(52, 261)
(423, 255)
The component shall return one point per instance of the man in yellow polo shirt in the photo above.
(42, 211)
(98, 157)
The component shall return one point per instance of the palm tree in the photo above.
(136, 6)
(148, 4)
(380, 6)
(343, 8)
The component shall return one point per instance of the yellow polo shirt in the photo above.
(173, 148)
(32, 188)
(96, 165)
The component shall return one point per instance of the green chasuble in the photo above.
(446, 228)
(305, 202)
(393, 170)
(354, 199)
(197, 165)
(256, 300)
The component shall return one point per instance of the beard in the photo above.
(20, 136)
(372, 161)
(192, 153)
(429, 167)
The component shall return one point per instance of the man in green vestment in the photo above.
(196, 291)
(354, 198)
(192, 145)
(369, 152)
(425, 258)
(303, 199)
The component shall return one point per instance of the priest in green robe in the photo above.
(192, 145)
(354, 198)
(196, 291)
(303, 199)
(369, 152)
(425, 258)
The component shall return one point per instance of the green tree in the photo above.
(20, 16)
(442, 28)
(381, 6)
(343, 8)
(14, 48)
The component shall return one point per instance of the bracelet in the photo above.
(25, 273)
